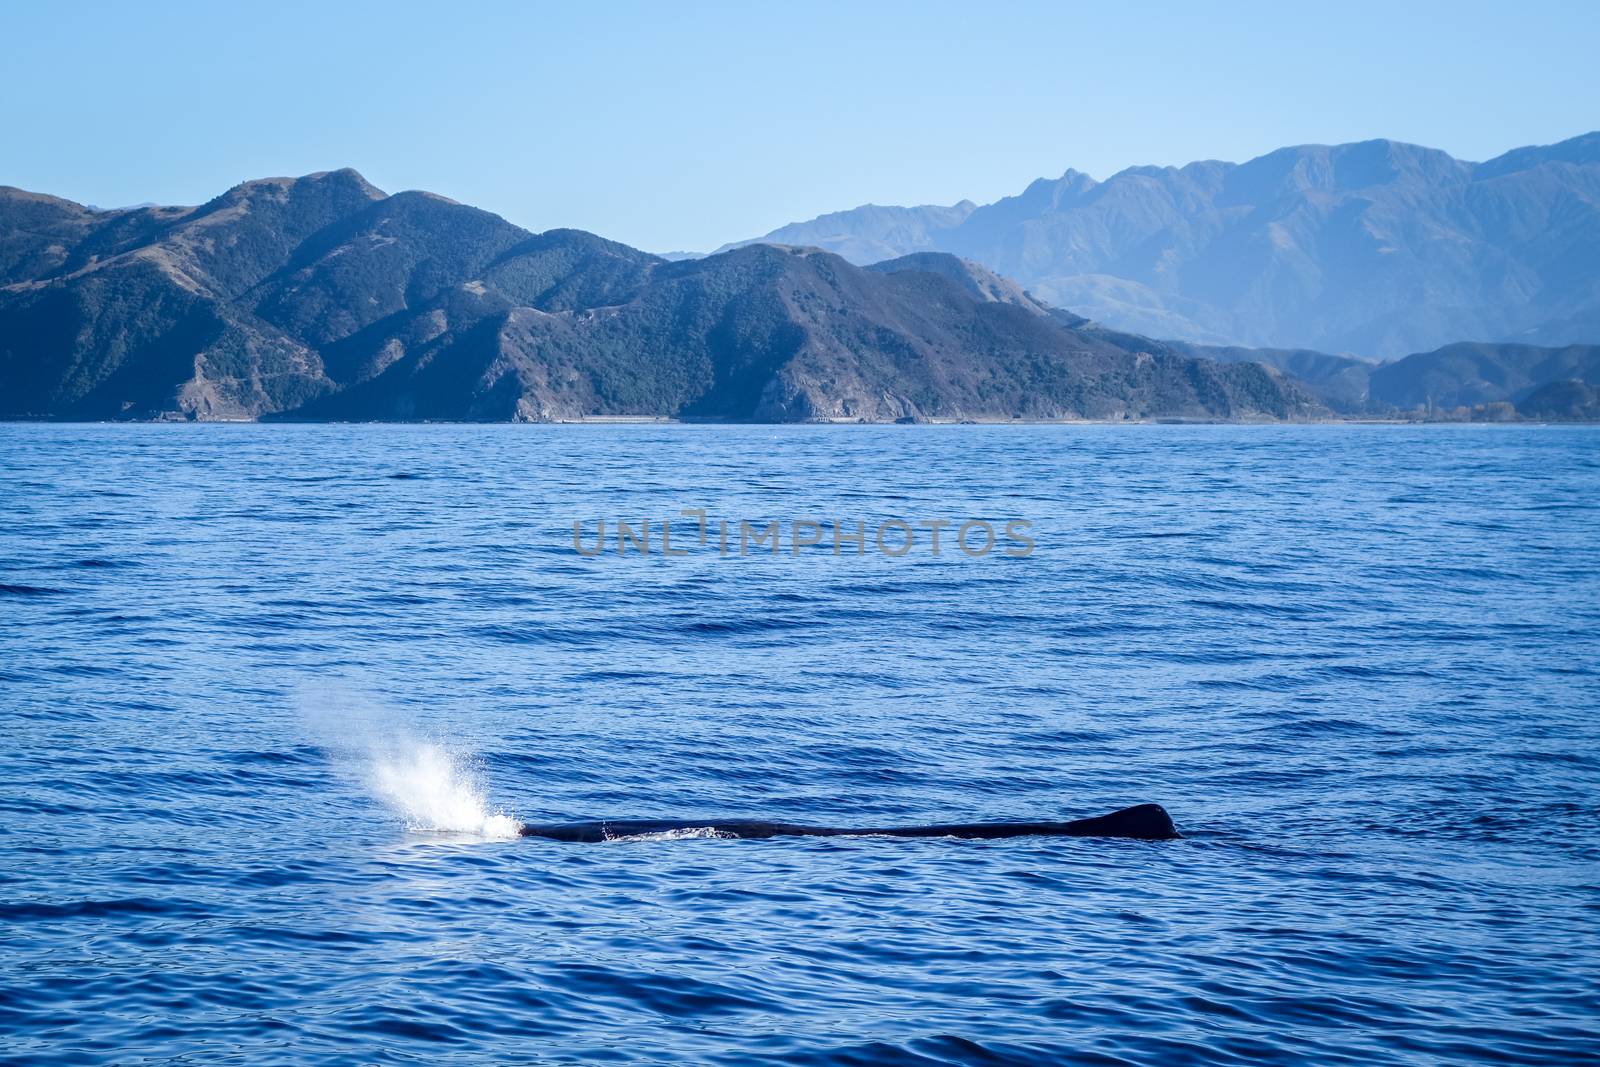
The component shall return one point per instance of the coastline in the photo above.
(647, 420)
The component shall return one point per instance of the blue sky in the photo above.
(686, 125)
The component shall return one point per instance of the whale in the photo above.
(1143, 822)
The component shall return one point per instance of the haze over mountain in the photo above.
(1377, 248)
(323, 297)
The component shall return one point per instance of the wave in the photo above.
(26, 590)
(682, 833)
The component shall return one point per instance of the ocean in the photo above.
(274, 699)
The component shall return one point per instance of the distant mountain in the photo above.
(870, 234)
(1563, 401)
(1466, 375)
(1378, 248)
(1342, 383)
(323, 298)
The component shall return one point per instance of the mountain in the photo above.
(1378, 248)
(1465, 375)
(1342, 383)
(141, 311)
(1563, 401)
(870, 234)
(1452, 380)
(322, 297)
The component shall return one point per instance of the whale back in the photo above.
(1146, 822)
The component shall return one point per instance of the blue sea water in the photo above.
(271, 695)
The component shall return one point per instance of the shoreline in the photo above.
(625, 420)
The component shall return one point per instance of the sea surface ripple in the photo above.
(271, 696)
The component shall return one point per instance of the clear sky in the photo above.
(685, 125)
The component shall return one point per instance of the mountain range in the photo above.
(322, 297)
(1378, 248)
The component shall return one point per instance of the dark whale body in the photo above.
(1145, 822)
